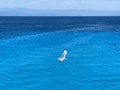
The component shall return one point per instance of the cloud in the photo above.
(62, 4)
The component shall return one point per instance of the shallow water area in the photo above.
(30, 62)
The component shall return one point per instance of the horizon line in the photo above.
(60, 16)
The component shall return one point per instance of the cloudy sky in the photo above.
(62, 4)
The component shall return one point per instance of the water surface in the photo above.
(30, 46)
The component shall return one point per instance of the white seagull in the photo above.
(63, 57)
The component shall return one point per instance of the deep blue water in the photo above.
(30, 46)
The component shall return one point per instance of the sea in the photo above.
(30, 48)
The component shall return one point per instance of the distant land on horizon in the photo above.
(52, 12)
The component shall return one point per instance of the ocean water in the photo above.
(30, 47)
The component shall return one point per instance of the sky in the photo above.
(111, 5)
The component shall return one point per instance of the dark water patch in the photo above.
(16, 26)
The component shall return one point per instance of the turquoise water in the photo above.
(29, 62)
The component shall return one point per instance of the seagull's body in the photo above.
(63, 57)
